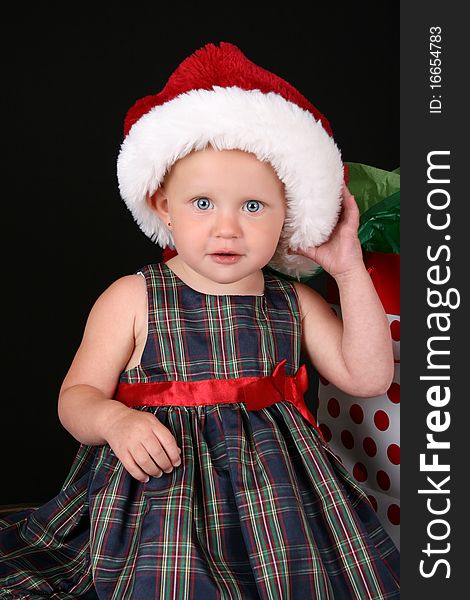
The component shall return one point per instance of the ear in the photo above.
(158, 202)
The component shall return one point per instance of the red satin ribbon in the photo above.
(255, 392)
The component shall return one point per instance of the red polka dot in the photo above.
(333, 407)
(381, 420)
(347, 439)
(360, 472)
(325, 431)
(393, 514)
(323, 380)
(370, 447)
(395, 330)
(373, 501)
(356, 413)
(393, 393)
(393, 453)
(383, 480)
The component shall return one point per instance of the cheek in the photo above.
(184, 221)
(267, 234)
(189, 233)
(274, 224)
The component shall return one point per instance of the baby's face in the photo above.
(224, 201)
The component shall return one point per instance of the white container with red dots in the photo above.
(365, 434)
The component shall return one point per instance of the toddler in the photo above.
(201, 472)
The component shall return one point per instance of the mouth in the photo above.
(225, 257)
(224, 253)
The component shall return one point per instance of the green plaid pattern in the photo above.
(260, 507)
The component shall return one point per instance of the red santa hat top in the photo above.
(218, 97)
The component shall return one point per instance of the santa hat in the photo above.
(218, 97)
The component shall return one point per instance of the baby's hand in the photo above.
(342, 253)
(142, 443)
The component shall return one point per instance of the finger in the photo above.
(153, 464)
(347, 197)
(309, 253)
(346, 191)
(159, 454)
(133, 469)
(168, 442)
(354, 214)
(350, 209)
(341, 216)
(163, 437)
(351, 203)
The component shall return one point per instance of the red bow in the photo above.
(255, 392)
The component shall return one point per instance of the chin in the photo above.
(224, 275)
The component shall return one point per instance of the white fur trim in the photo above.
(304, 156)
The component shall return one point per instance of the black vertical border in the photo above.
(422, 133)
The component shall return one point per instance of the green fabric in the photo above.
(379, 229)
(370, 185)
(377, 193)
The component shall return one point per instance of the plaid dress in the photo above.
(260, 508)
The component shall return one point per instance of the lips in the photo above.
(225, 258)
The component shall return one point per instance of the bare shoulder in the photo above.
(113, 334)
(129, 288)
(123, 303)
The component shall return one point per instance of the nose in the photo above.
(227, 225)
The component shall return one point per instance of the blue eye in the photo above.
(254, 206)
(202, 203)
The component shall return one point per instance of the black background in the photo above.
(67, 234)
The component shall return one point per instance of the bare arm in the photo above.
(85, 412)
(355, 354)
(86, 406)
(366, 343)
(85, 400)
